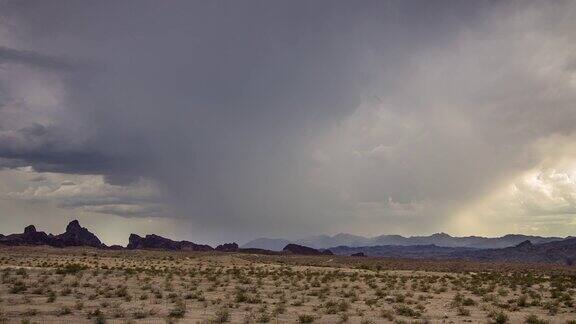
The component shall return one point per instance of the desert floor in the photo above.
(73, 285)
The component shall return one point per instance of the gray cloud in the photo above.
(292, 117)
(31, 58)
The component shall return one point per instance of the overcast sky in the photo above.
(228, 120)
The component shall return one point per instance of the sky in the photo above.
(218, 121)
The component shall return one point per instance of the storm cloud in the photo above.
(242, 119)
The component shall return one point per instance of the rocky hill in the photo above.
(75, 235)
(304, 250)
(559, 252)
(156, 242)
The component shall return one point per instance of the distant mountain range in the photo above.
(508, 248)
(403, 251)
(439, 239)
(559, 252)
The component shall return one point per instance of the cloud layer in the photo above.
(244, 119)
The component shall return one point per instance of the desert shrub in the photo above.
(51, 297)
(522, 301)
(468, 302)
(552, 308)
(179, 310)
(463, 311)
(31, 312)
(404, 310)
(140, 314)
(264, 317)
(18, 287)
(533, 319)
(64, 311)
(387, 314)
(498, 317)
(241, 296)
(71, 268)
(221, 316)
(306, 318)
(280, 309)
(100, 319)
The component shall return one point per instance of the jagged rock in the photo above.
(30, 237)
(77, 235)
(29, 229)
(300, 250)
(156, 242)
(152, 241)
(227, 247)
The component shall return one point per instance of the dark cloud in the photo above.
(254, 115)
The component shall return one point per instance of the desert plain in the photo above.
(88, 285)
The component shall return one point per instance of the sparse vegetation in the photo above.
(156, 286)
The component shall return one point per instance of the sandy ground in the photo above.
(49, 285)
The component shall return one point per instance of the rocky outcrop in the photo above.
(30, 237)
(75, 235)
(156, 242)
(227, 247)
(301, 250)
(359, 254)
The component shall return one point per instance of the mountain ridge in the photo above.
(438, 239)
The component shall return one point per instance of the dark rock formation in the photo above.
(156, 242)
(77, 235)
(227, 247)
(115, 247)
(327, 252)
(301, 250)
(30, 237)
(359, 254)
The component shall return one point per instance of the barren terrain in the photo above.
(86, 285)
